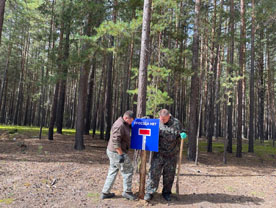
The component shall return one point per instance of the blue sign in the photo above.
(145, 134)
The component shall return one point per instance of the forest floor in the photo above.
(42, 173)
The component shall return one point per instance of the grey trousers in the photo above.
(125, 168)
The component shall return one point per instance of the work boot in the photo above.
(148, 197)
(167, 196)
(129, 195)
(107, 196)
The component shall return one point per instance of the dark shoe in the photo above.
(129, 195)
(167, 197)
(107, 196)
(148, 197)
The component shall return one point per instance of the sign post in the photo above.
(145, 137)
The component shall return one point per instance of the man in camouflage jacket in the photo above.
(164, 162)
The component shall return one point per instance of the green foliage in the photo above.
(156, 95)
(155, 99)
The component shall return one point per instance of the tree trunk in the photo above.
(26, 118)
(4, 84)
(109, 91)
(271, 91)
(62, 91)
(79, 144)
(231, 62)
(2, 12)
(218, 74)
(89, 97)
(252, 94)
(211, 88)
(240, 83)
(194, 97)
(142, 84)
(103, 108)
(96, 109)
(11, 104)
(261, 92)
(3, 110)
(16, 119)
(55, 99)
(130, 67)
(81, 110)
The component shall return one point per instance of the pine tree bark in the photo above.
(82, 102)
(252, 94)
(109, 91)
(231, 62)
(194, 96)
(64, 70)
(57, 87)
(103, 108)
(5, 77)
(261, 85)
(4, 84)
(142, 84)
(96, 109)
(89, 97)
(217, 126)
(271, 92)
(240, 83)
(17, 118)
(2, 12)
(211, 83)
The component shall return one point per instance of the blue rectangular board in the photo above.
(145, 134)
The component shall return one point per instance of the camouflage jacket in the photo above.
(169, 137)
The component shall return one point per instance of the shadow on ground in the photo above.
(215, 198)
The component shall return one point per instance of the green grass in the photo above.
(261, 150)
(34, 131)
(264, 151)
(94, 196)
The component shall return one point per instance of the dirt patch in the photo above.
(42, 173)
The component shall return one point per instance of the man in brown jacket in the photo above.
(117, 149)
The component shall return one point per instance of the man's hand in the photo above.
(121, 158)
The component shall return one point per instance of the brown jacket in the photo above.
(119, 136)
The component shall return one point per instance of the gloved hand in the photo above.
(121, 158)
(183, 135)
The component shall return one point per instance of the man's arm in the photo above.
(175, 129)
(117, 137)
(169, 130)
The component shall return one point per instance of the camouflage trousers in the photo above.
(165, 165)
(125, 168)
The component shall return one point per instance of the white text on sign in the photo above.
(145, 123)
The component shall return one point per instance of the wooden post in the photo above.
(179, 166)
(143, 171)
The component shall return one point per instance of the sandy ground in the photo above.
(42, 173)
